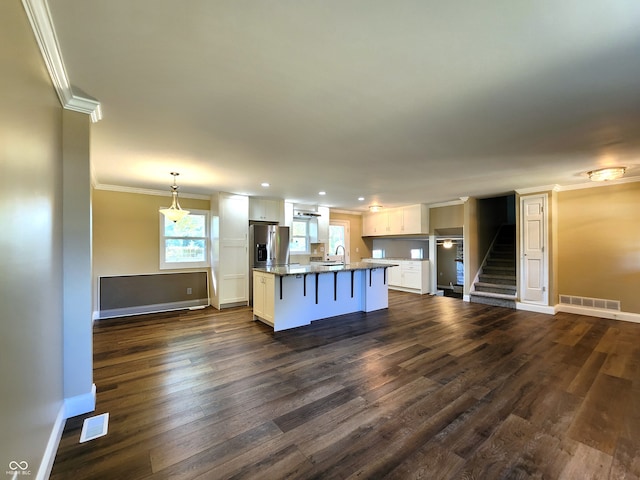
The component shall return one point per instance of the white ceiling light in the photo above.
(605, 174)
(322, 193)
(447, 243)
(265, 184)
(174, 212)
(375, 208)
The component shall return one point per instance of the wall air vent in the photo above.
(602, 303)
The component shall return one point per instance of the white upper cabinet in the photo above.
(370, 224)
(415, 219)
(323, 225)
(409, 220)
(266, 210)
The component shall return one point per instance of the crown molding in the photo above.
(346, 212)
(449, 203)
(147, 191)
(42, 25)
(590, 184)
(543, 188)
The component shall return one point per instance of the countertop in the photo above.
(398, 259)
(284, 270)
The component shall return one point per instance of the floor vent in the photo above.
(94, 427)
(590, 302)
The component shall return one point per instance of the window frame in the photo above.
(164, 265)
(307, 238)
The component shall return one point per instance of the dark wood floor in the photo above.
(431, 388)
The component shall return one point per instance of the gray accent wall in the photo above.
(31, 271)
(134, 294)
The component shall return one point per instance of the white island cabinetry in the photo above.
(263, 296)
(293, 296)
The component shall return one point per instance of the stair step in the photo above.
(508, 262)
(504, 296)
(496, 301)
(499, 279)
(503, 265)
(491, 270)
(502, 253)
(495, 288)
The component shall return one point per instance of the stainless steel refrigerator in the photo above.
(268, 247)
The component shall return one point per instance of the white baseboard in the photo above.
(530, 307)
(70, 408)
(155, 308)
(599, 312)
(80, 404)
(44, 470)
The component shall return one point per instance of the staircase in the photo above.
(496, 283)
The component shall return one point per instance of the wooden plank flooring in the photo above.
(431, 388)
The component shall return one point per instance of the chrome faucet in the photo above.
(344, 253)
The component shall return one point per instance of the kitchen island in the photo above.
(291, 296)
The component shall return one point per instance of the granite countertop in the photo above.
(284, 270)
(397, 259)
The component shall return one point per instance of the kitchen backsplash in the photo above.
(400, 248)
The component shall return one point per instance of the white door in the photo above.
(533, 243)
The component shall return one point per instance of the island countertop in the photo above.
(286, 270)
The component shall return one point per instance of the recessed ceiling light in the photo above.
(361, 198)
(322, 193)
(265, 184)
(375, 208)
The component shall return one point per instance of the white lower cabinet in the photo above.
(411, 273)
(263, 296)
(408, 275)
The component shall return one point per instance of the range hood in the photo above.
(305, 211)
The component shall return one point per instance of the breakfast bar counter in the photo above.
(291, 296)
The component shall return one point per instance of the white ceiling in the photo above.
(403, 101)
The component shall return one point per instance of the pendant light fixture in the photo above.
(174, 212)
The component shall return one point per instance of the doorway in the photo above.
(450, 266)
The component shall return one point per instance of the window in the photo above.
(185, 243)
(377, 253)
(299, 237)
(417, 253)
(339, 235)
(336, 237)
